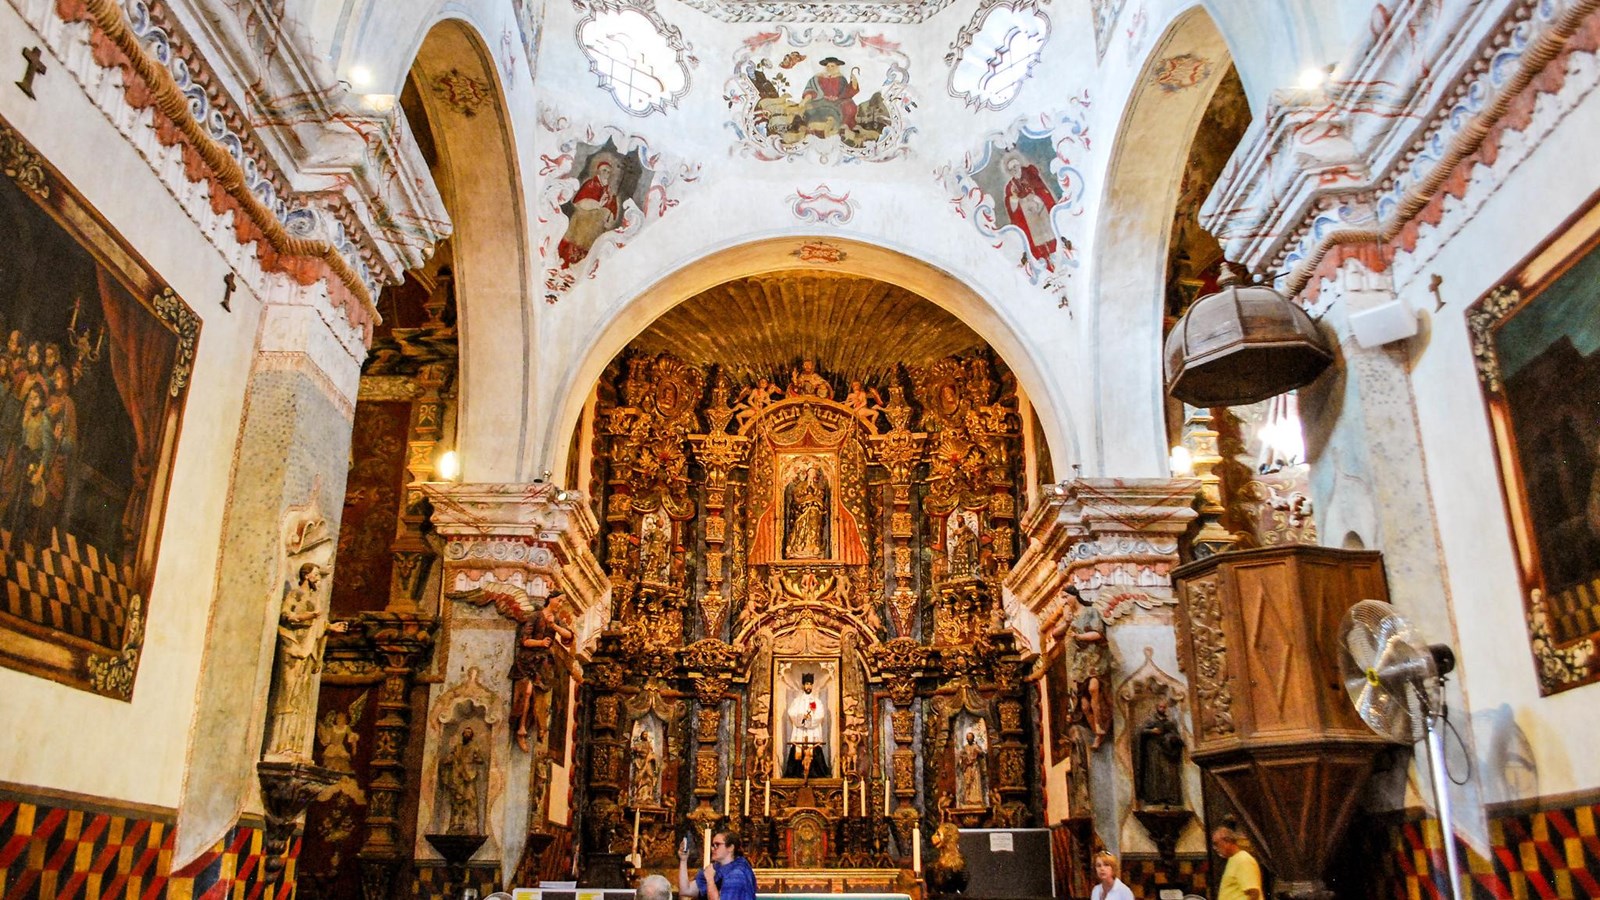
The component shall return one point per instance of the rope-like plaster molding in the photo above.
(118, 46)
(1376, 210)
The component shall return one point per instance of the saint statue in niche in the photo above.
(644, 776)
(809, 728)
(655, 548)
(460, 775)
(963, 546)
(807, 511)
(970, 765)
(1158, 776)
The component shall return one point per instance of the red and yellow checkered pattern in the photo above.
(1549, 855)
(50, 851)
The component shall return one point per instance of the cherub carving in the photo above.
(865, 404)
(755, 400)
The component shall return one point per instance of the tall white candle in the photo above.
(886, 793)
(636, 833)
(705, 846)
(766, 802)
(727, 796)
(863, 795)
(916, 849)
(847, 798)
(747, 796)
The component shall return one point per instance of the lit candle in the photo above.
(636, 834)
(766, 802)
(847, 798)
(705, 846)
(916, 849)
(747, 796)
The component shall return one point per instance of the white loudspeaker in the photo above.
(1383, 324)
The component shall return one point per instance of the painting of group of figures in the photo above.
(94, 362)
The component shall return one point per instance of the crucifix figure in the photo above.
(33, 56)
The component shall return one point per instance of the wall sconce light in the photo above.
(1180, 461)
(449, 466)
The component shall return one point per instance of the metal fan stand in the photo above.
(1434, 737)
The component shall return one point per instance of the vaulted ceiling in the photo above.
(765, 324)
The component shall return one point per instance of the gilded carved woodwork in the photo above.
(760, 528)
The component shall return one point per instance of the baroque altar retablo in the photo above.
(808, 644)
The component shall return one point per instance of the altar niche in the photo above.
(808, 731)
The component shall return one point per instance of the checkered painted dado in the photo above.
(52, 851)
(1548, 855)
(69, 587)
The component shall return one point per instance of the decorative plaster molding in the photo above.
(884, 12)
(1115, 539)
(1335, 166)
(513, 534)
(354, 216)
(822, 206)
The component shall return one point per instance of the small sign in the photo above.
(1169, 894)
(1000, 842)
(527, 894)
(591, 895)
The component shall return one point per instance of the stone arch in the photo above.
(979, 312)
(1142, 190)
(482, 186)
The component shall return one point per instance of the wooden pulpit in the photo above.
(1258, 634)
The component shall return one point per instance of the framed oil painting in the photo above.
(1536, 340)
(95, 357)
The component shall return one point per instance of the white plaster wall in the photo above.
(71, 740)
(1521, 204)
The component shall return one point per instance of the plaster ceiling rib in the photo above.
(853, 327)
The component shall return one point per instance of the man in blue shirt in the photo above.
(729, 877)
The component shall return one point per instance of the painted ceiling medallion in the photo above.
(994, 54)
(828, 94)
(643, 61)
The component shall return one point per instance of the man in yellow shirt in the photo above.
(1241, 879)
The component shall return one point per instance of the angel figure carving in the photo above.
(337, 734)
(533, 668)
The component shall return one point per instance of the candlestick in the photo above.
(766, 802)
(916, 849)
(847, 798)
(747, 796)
(705, 846)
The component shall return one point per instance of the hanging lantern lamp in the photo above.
(1245, 343)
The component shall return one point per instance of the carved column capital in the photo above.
(1117, 537)
(519, 535)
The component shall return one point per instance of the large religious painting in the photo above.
(96, 361)
(806, 691)
(1536, 339)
